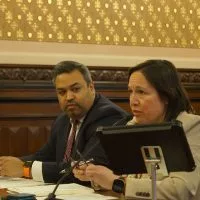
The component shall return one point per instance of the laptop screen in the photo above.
(123, 146)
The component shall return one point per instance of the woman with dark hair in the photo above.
(163, 76)
(156, 95)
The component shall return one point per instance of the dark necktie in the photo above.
(70, 141)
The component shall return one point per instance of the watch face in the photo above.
(28, 164)
(118, 185)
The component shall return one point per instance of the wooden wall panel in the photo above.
(23, 139)
(28, 103)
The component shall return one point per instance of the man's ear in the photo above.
(91, 86)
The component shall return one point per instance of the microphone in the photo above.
(67, 171)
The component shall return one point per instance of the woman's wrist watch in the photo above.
(119, 185)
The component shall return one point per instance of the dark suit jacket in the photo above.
(102, 113)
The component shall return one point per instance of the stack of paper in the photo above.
(8, 182)
(41, 190)
(63, 189)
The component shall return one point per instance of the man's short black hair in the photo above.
(68, 67)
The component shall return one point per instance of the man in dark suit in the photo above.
(79, 103)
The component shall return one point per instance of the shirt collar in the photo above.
(80, 120)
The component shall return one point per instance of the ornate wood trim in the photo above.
(38, 73)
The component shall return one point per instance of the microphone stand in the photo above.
(52, 195)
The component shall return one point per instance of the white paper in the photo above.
(8, 182)
(93, 196)
(70, 191)
(90, 196)
(63, 189)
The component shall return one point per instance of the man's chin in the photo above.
(73, 115)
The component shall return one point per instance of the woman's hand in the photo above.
(79, 172)
(100, 175)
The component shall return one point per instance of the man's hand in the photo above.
(11, 166)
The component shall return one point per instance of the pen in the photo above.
(79, 164)
(86, 162)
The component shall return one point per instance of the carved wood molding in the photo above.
(30, 74)
(27, 73)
